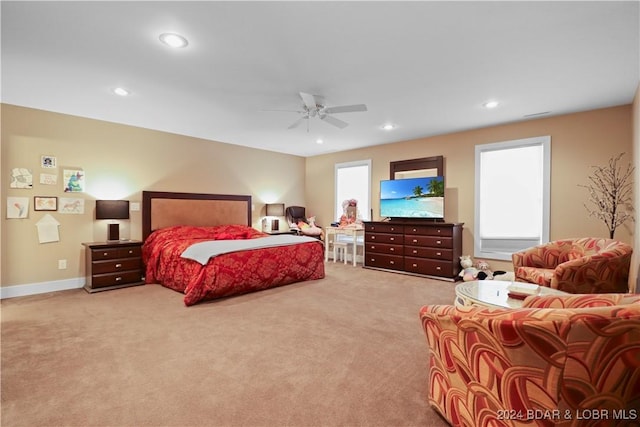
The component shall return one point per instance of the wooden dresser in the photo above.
(113, 265)
(430, 249)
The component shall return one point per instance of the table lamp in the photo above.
(275, 209)
(112, 209)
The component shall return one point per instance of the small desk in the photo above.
(331, 233)
(492, 293)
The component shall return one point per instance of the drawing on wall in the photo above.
(43, 203)
(48, 229)
(48, 162)
(17, 207)
(71, 206)
(21, 178)
(48, 179)
(73, 180)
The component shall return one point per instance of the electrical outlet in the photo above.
(62, 264)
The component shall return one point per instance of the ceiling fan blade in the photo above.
(346, 109)
(297, 123)
(333, 121)
(309, 100)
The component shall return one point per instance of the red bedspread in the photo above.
(228, 274)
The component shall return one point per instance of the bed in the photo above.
(203, 246)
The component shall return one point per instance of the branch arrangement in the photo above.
(610, 192)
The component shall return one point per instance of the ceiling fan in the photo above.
(313, 106)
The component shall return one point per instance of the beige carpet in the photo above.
(347, 350)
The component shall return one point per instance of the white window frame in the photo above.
(503, 248)
(365, 211)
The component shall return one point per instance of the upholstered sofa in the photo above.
(578, 266)
(539, 365)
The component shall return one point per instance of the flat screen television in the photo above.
(412, 198)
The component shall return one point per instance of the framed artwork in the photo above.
(73, 180)
(48, 162)
(45, 203)
(71, 205)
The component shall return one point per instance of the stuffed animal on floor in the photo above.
(468, 272)
(484, 272)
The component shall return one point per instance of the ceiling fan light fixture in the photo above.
(173, 40)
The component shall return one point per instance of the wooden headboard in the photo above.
(162, 209)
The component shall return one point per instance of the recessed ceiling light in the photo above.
(490, 104)
(173, 40)
(121, 91)
(319, 141)
(388, 126)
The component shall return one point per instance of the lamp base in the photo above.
(114, 232)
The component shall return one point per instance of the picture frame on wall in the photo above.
(48, 162)
(45, 203)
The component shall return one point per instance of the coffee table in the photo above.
(492, 293)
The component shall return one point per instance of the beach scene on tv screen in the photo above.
(412, 198)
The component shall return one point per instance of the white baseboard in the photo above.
(41, 288)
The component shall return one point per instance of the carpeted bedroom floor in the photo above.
(347, 350)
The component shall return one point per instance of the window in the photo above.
(353, 181)
(512, 196)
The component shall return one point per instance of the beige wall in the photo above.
(578, 141)
(120, 161)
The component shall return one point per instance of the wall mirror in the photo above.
(415, 168)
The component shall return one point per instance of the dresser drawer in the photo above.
(431, 241)
(428, 266)
(429, 230)
(383, 238)
(112, 279)
(383, 228)
(383, 248)
(113, 253)
(423, 252)
(114, 266)
(393, 262)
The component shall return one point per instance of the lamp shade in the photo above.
(275, 209)
(112, 209)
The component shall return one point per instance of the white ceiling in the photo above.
(426, 67)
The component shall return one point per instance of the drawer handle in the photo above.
(415, 229)
(373, 237)
(392, 249)
(438, 253)
(393, 229)
(438, 268)
(105, 254)
(373, 246)
(415, 251)
(438, 242)
(130, 251)
(118, 265)
(392, 262)
(118, 279)
(415, 240)
(373, 260)
(415, 265)
(392, 238)
(438, 230)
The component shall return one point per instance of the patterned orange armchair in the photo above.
(557, 359)
(578, 266)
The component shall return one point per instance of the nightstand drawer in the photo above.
(113, 253)
(113, 266)
(113, 279)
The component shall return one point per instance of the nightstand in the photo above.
(113, 265)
